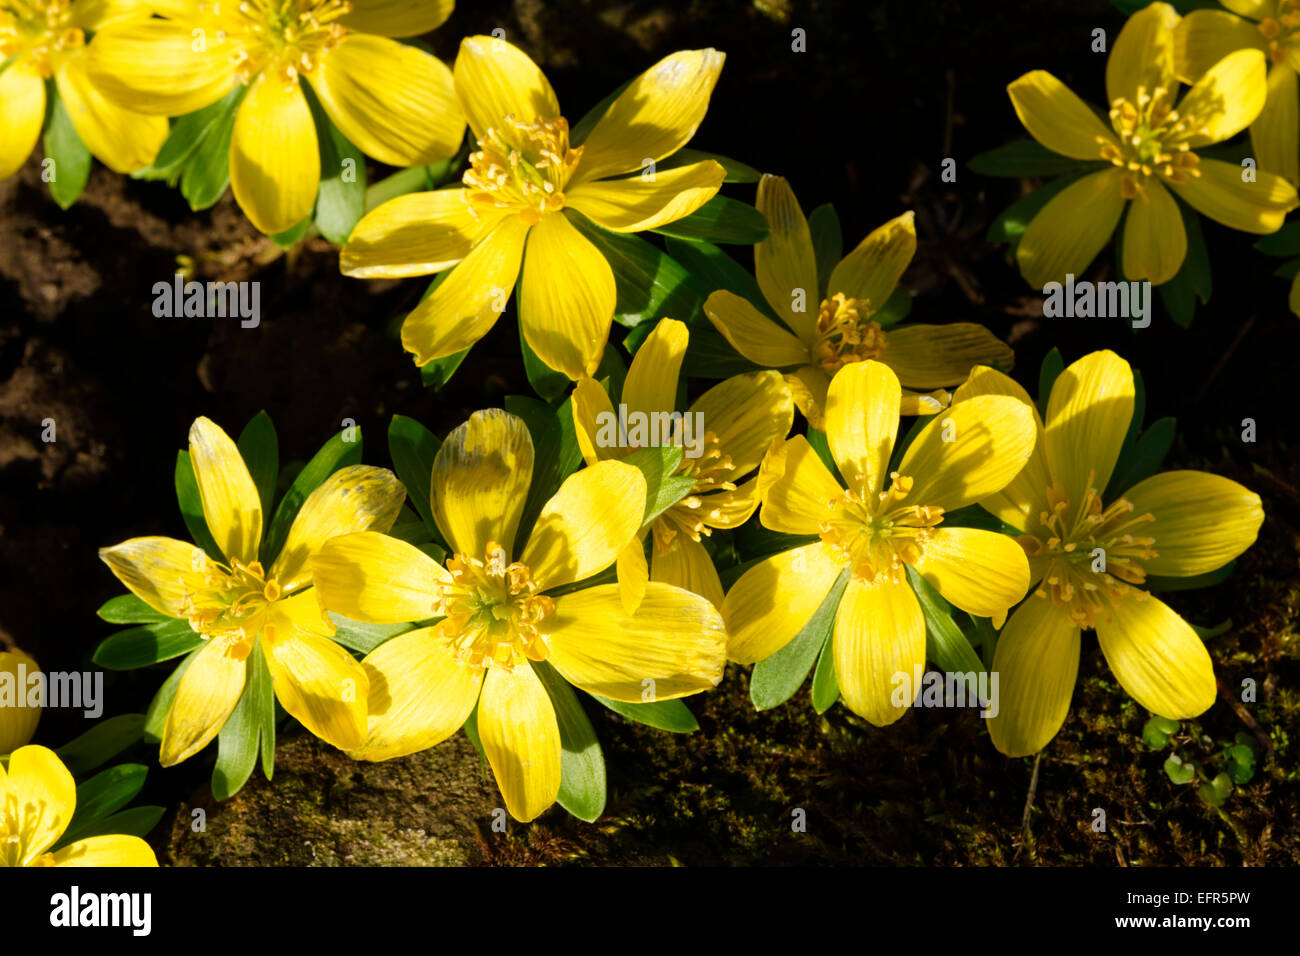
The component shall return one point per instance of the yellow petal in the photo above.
(1219, 192)
(392, 101)
(872, 270)
(111, 850)
(40, 792)
(207, 693)
(970, 452)
(673, 646)
(17, 723)
(753, 334)
(879, 647)
(567, 298)
(230, 501)
(746, 413)
(1254, 9)
(1036, 661)
(371, 577)
(1202, 521)
(593, 412)
(355, 498)
(1057, 118)
(631, 205)
(419, 694)
(861, 422)
(1071, 229)
(298, 613)
(1227, 98)
(774, 599)
(935, 356)
(23, 93)
(1275, 134)
(808, 386)
(1204, 37)
(1157, 657)
(582, 529)
(152, 66)
(521, 738)
(397, 18)
(1142, 56)
(633, 574)
(1155, 242)
(731, 509)
(651, 383)
(95, 15)
(469, 301)
(480, 481)
(923, 403)
(274, 162)
(982, 572)
(797, 500)
(320, 684)
(120, 139)
(1088, 416)
(784, 263)
(411, 235)
(686, 564)
(495, 79)
(654, 116)
(159, 571)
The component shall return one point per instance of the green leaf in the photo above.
(1051, 369)
(438, 373)
(945, 644)
(333, 455)
(711, 356)
(71, 158)
(822, 446)
(546, 381)
(896, 308)
(101, 743)
(155, 717)
(207, 172)
(828, 242)
(129, 609)
(582, 766)
(187, 132)
(1148, 454)
(240, 737)
(825, 688)
(670, 715)
(1284, 243)
(106, 792)
(260, 449)
(1157, 731)
(187, 495)
(721, 219)
(291, 236)
(1288, 270)
(364, 637)
(1217, 791)
(1025, 157)
(556, 454)
(1010, 225)
(341, 201)
(1179, 772)
(1209, 633)
(145, 645)
(1155, 582)
(137, 822)
(776, 678)
(1241, 763)
(663, 488)
(413, 448)
(736, 171)
(1192, 281)
(713, 269)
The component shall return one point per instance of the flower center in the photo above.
(18, 825)
(1091, 552)
(288, 37)
(495, 615)
(38, 29)
(231, 603)
(711, 471)
(523, 167)
(877, 537)
(845, 333)
(1281, 31)
(1152, 140)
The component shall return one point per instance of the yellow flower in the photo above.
(1151, 150)
(1204, 37)
(875, 527)
(232, 605)
(392, 101)
(41, 39)
(1089, 557)
(499, 611)
(525, 183)
(37, 800)
(724, 436)
(17, 723)
(818, 340)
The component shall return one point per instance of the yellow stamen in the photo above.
(495, 615)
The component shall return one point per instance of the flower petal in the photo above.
(686, 564)
(581, 530)
(1227, 98)
(371, 577)
(122, 140)
(41, 791)
(1036, 662)
(23, 93)
(205, 697)
(1276, 131)
(802, 488)
(1057, 118)
(861, 423)
(746, 413)
(567, 299)
(17, 722)
(1142, 56)
(1220, 193)
(521, 738)
(593, 412)
(152, 66)
(753, 334)
(879, 640)
(159, 571)
(419, 694)
(784, 263)
(655, 116)
(809, 385)
(1071, 229)
(1155, 241)
(274, 158)
(872, 270)
(673, 646)
(230, 501)
(1202, 521)
(397, 18)
(411, 235)
(633, 574)
(938, 356)
(495, 79)
(1156, 656)
(651, 383)
(773, 600)
(320, 684)
(1088, 416)
(355, 498)
(1204, 37)
(631, 205)
(392, 101)
(982, 572)
(481, 476)
(110, 850)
